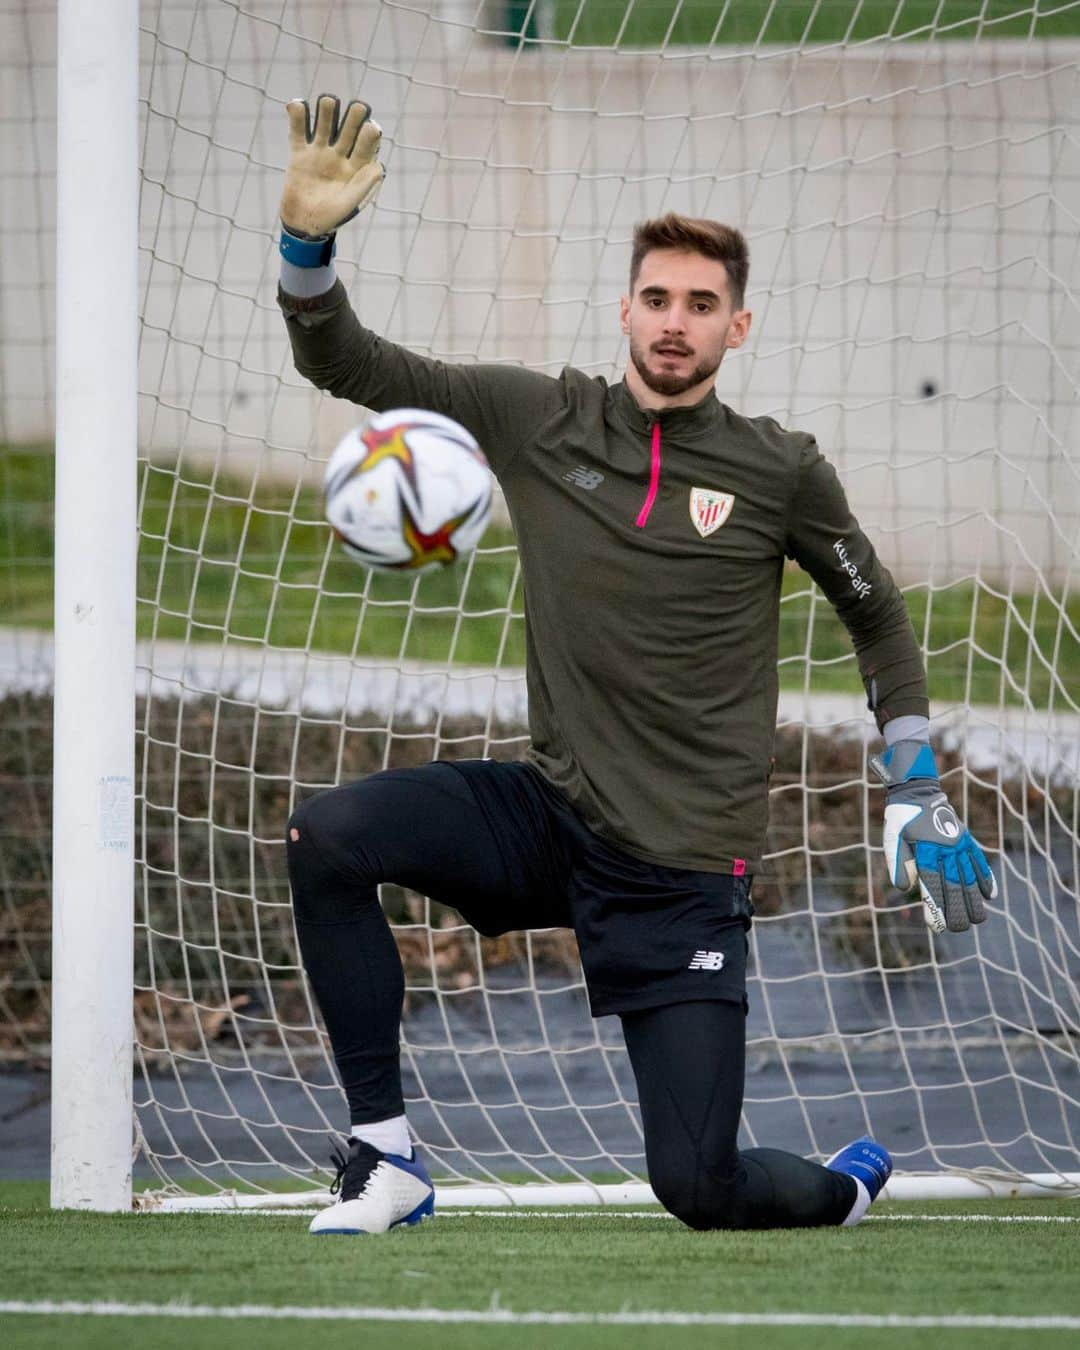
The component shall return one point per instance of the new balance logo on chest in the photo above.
(583, 477)
(707, 961)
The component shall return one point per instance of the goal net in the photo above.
(908, 176)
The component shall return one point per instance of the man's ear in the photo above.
(624, 313)
(739, 329)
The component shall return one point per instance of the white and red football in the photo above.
(408, 491)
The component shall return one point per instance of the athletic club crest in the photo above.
(709, 509)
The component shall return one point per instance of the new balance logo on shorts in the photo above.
(583, 477)
(707, 961)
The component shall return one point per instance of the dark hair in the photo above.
(722, 243)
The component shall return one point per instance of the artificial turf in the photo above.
(588, 1263)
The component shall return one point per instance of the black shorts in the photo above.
(648, 935)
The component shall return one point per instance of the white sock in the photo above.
(861, 1205)
(388, 1136)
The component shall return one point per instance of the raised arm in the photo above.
(927, 849)
(333, 173)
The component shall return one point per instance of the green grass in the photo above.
(589, 1263)
(657, 23)
(217, 558)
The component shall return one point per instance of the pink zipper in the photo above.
(654, 477)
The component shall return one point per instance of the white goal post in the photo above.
(95, 533)
(911, 198)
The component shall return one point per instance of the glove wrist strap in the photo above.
(904, 763)
(304, 251)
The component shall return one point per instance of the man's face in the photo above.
(680, 321)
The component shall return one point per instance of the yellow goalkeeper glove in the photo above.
(333, 170)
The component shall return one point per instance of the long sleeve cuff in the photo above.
(908, 728)
(306, 282)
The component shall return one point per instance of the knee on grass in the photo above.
(697, 1199)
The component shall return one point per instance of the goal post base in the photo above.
(925, 1186)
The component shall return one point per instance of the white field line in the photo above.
(972, 1218)
(496, 1316)
(650, 1214)
(660, 1214)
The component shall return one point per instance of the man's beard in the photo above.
(671, 384)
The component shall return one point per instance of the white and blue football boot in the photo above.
(868, 1164)
(375, 1192)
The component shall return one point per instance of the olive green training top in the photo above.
(651, 640)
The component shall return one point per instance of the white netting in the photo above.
(911, 190)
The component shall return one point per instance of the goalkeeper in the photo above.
(652, 522)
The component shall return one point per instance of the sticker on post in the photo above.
(116, 812)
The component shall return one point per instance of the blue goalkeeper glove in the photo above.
(927, 849)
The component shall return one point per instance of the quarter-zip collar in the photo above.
(661, 426)
(695, 420)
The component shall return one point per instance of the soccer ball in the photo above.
(410, 491)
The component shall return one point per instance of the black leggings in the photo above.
(688, 1060)
(423, 829)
